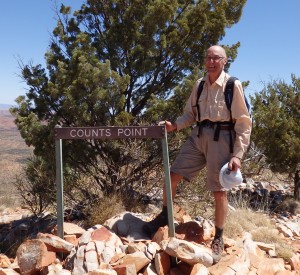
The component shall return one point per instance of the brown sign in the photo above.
(109, 132)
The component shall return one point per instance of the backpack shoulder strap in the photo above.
(228, 93)
(199, 91)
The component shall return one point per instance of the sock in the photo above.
(165, 209)
(219, 233)
(165, 214)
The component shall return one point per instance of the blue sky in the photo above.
(269, 33)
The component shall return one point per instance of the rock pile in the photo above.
(120, 247)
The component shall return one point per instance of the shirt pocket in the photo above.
(221, 109)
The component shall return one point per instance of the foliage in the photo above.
(124, 62)
(276, 130)
(289, 205)
(36, 186)
(254, 162)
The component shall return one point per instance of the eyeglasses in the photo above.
(214, 58)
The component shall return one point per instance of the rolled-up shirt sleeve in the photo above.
(190, 111)
(242, 119)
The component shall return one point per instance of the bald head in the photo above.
(215, 61)
(217, 48)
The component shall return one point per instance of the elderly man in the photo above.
(221, 136)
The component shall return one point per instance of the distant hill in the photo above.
(5, 106)
(14, 153)
(6, 123)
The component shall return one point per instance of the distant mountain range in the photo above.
(5, 106)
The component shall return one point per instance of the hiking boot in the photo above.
(161, 220)
(217, 247)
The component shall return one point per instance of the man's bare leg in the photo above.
(175, 179)
(221, 210)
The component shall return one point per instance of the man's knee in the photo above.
(175, 178)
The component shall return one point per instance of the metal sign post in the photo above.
(59, 186)
(168, 185)
(109, 132)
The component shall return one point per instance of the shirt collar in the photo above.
(220, 79)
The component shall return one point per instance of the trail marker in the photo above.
(109, 132)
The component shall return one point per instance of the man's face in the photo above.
(215, 60)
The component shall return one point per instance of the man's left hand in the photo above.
(234, 164)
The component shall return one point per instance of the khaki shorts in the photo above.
(198, 152)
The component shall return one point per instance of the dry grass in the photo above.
(103, 209)
(13, 155)
(261, 228)
(271, 236)
(244, 220)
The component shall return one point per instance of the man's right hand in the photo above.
(169, 125)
